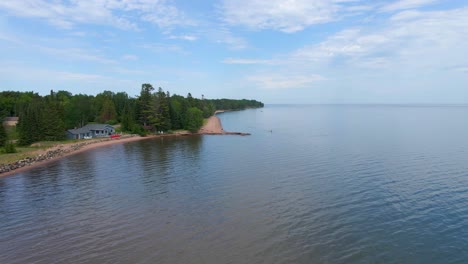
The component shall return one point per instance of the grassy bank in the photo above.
(33, 150)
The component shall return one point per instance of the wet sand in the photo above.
(213, 127)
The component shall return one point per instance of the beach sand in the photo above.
(213, 126)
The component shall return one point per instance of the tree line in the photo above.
(48, 117)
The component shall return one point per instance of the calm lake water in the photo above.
(312, 184)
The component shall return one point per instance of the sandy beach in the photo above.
(213, 126)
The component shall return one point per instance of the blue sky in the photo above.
(290, 51)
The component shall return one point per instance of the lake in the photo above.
(312, 184)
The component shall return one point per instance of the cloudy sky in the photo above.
(276, 51)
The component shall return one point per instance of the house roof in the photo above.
(11, 118)
(88, 128)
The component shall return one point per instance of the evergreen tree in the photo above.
(53, 126)
(128, 120)
(161, 116)
(3, 136)
(52, 121)
(145, 104)
(47, 118)
(190, 100)
(108, 112)
(120, 101)
(79, 110)
(176, 110)
(30, 123)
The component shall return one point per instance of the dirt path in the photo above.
(213, 126)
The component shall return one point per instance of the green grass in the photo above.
(11, 133)
(22, 153)
(48, 144)
(28, 151)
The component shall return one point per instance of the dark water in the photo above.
(328, 184)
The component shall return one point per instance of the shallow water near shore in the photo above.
(312, 184)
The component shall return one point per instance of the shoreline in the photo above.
(61, 151)
(40, 158)
(214, 127)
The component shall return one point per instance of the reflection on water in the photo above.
(313, 184)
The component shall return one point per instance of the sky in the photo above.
(289, 51)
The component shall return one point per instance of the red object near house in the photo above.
(115, 136)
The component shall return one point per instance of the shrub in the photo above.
(10, 148)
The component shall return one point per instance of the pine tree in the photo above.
(128, 118)
(30, 124)
(108, 111)
(53, 125)
(163, 113)
(145, 101)
(3, 136)
(160, 118)
(52, 121)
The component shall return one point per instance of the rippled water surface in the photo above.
(312, 184)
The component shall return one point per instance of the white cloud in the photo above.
(45, 79)
(434, 37)
(288, 81)
(407, 15)
(462, 69)
(184, 37)
(349, 42)
(406, 4)
(246, 61)
(9, 38)
(225, 36)
(287, 16)
(162, 48)
(130, 57)
(417, 45)
(17, 70)
(119, 13)
(78, 54)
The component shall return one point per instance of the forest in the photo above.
(46, 118)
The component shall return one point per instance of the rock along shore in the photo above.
(61, 151)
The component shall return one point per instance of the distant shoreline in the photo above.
(59, 151)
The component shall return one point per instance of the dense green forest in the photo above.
(48, 117)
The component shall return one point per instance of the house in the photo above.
(10, 121)
(91, 131)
